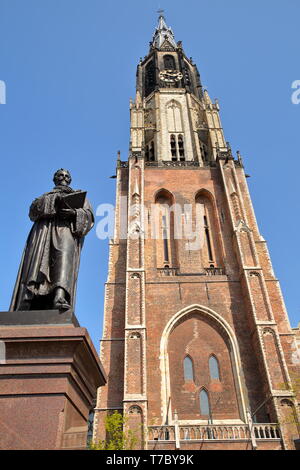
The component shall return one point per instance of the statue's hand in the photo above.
(67, 214)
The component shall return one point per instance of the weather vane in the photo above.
(161, 12)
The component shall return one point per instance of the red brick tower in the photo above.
(196, 343)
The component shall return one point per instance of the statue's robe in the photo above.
(52, 253)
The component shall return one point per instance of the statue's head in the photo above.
(62, 177)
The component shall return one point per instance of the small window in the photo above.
(151, 152)
(181, 148)
(169, 62)
(173, 147)
(188, 369)
(187, 74)
(207, 235)
(204, 151)
(165, 238)
(214, 368)
(204, 403)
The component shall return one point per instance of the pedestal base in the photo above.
(48, 381)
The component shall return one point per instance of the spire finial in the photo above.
(161, 12)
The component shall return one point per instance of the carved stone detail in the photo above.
(135, 410)
(135, 335)
(135, 276)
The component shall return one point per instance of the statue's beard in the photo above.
(63, 188)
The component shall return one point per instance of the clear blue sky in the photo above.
(69, 67)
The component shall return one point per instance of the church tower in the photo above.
(197, 344)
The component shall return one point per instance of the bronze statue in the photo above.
(48, 271)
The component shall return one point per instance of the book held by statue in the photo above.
(73, 201)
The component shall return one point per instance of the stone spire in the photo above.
(163, 33)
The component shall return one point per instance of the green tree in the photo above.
(118, 436)
(290, 418)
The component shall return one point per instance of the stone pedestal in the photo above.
(48, 380)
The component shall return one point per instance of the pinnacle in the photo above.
(207, 97)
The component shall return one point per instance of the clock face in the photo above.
(170, 76)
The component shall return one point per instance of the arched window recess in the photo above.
(164, 229)
(214, 368)
(204, 404)
(212, 249)
(188, 368)
(169, 62)
(149, 78)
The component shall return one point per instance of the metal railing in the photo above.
(174, 164)
(212, 271)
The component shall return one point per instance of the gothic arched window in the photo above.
(149, 78)
(214, 368)
(164, 229)
(204, 403)
(188, 369)
(211, 250)
(169, 62)
(174, 117)
(177, 147)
